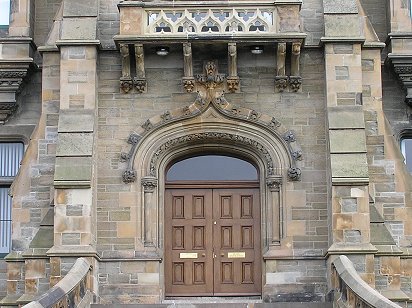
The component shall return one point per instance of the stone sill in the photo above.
(72, 184)
(77, 42)
(73, 251)
(343, 39)
(337, 181)
(346, 249)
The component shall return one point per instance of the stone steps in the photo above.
(219, 305)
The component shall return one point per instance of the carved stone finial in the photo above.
(274, 124)
(289, 137)
(294, 173)
(166, 116)
(147, 125)
(124, 157)
(149, 184)
(297, 155)
(134, 139)
(129, 176)
(254, 115)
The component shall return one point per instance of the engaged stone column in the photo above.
(275, 212)
(188, 79)
(150, 211)
(233, 79)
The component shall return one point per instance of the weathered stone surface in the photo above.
(73, 169)
(340, 7)
(79, 28)
(75, 8)
(347, 141)
(75, 144)
(342, 26)
(349, 165)
(72, 121)
(345, 117)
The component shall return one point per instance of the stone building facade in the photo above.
(108, 95)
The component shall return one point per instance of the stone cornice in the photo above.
(174, 4)
(402, 66)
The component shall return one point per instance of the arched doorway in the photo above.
(212, 234)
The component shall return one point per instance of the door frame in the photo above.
(271, 197)
(215, 185)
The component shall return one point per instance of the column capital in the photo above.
(149, 183)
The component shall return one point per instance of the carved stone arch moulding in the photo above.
(269, 124)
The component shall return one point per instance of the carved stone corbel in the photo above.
(139, 81)
(126, 83)
(210, 85)
(295, 80)
(233, 79)
(281, 80)
(188, 79)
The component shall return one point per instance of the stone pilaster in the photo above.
(74, 181)
(349, 194)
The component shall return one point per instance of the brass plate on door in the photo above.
(188, 255)
(236, 255)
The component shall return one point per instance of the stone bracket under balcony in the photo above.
(242, 23)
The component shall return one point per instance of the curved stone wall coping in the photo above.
(76, 274)
(353, 281)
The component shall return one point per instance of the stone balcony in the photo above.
(236, 24)
(235, 21)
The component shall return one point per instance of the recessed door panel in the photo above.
(212, 242)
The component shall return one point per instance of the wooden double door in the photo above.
(212, 242)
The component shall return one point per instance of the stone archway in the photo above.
(215, 127)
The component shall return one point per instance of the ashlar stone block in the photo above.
(80, 8)
(346, 117)
(342, 26)
(79, 28)
(340, 7)
(347, 141)
(75, 144)
(349, 166)
(74, 170)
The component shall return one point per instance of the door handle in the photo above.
(203, 255)
(222, 254)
